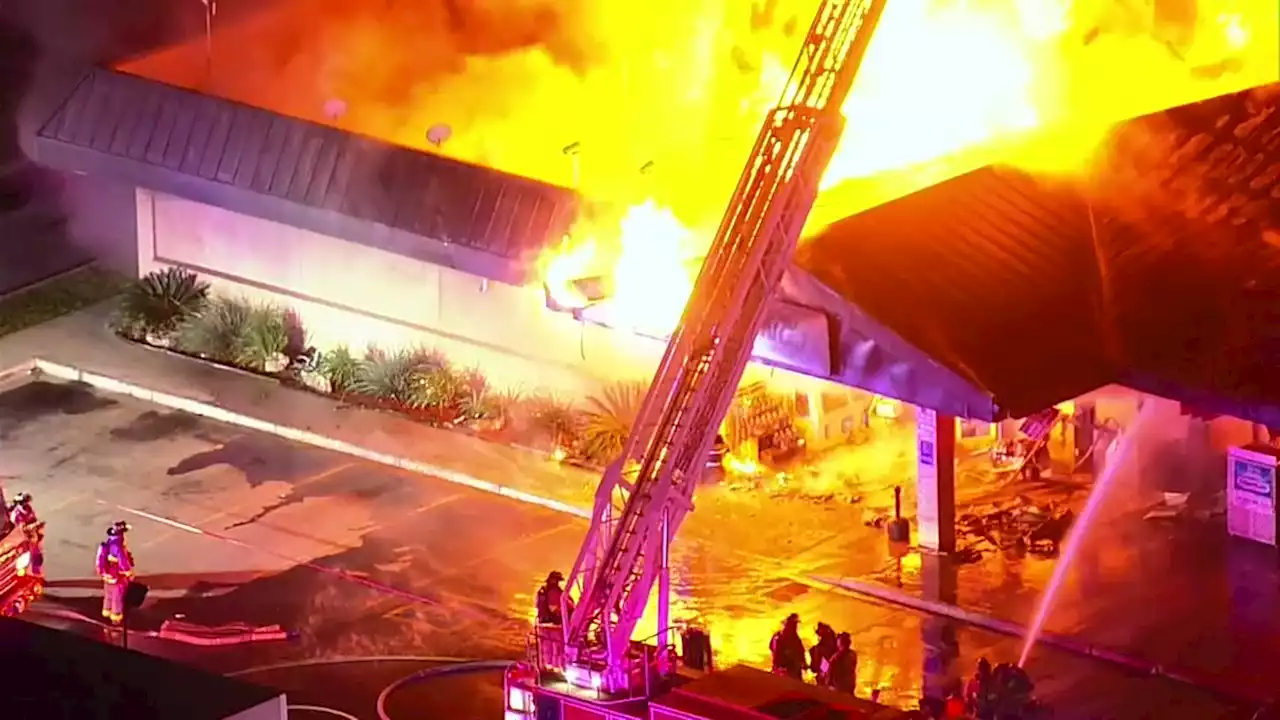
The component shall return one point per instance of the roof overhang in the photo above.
(1159, 270)
(317, 178)
(813, 331)
(305, 175)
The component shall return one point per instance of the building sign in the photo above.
(1254, 482)
(1251, 493)
(927, 457)
(927, 518)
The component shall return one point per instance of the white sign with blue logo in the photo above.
(1251, 493)
(1254, 482)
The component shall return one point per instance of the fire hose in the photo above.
(459, 668)
(185, 632)
(220, 635)
(451, 666)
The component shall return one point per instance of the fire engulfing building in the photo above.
(995, 294)
(374, 244)
(988, 295)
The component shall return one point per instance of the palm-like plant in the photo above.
(608, 419)
(555, 419)
(265, 337)
(160, 302)
(218, 331)
(390, 376)
(476, 406)
(341, 369)
(437, 388)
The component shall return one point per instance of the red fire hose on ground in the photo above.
(219, 635)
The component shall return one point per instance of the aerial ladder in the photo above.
(648, 491)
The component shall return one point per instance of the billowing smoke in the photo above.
(677, 88)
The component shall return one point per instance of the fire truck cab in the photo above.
(21, 577)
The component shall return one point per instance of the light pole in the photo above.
(574, 151)
(210, 9)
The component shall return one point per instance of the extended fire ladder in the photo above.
(645, 495)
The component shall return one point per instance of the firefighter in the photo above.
(822, 651)
(115, 566)
(21, 514)
(788, 649)
(842, 670)
(978, 691)
(549, 599)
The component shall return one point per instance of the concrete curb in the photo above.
(306, 437)
(16, 371)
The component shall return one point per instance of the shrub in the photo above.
(265, 338)
(296, 335)
(435, 388)
(394, 376)
(555, 420)
(476, 406)
(218, 331)
(505, 402)
(341, 369)
(608, 419)
(160, 302)
(476, 400)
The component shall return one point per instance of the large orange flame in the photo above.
(940, 79)
(661, 100)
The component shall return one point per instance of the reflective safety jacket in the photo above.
(115, 562)
(22, 515)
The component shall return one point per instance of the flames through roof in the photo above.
(1161, 271)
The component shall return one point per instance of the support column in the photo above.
(1084, 437)
(935, 481)
(938, 633)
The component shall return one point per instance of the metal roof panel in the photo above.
(305, 173)
(1155, 267)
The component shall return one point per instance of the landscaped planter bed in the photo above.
(173, 311)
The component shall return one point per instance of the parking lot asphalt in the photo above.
(361, 560)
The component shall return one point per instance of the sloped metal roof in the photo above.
(1161, 271)
(303, 174)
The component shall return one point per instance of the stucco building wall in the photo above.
(351, 294)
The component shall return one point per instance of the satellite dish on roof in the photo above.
(335, 108)
(438, 134)
(646, 168)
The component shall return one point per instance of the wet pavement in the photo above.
(363, 560)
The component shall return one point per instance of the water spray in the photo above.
(1075, 538)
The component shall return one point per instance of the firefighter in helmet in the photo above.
(788, 649)
(549, 599)
(115, 566)
(21, 514)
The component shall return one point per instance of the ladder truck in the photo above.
(647, 492)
